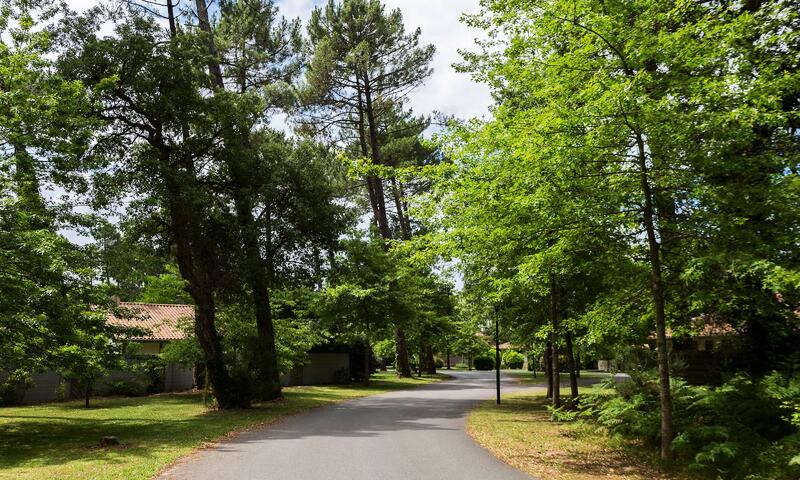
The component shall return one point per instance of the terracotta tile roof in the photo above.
(162, 320)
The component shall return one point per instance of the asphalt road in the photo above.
(416, 434)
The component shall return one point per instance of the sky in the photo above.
(446, 91)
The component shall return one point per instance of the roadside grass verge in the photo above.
(520, 433)
(61, 440)
(525, 377)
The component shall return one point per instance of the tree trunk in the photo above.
(447, 365)
(367, 370)
(656, 286)
(367, 353)
(194, 258)
(556, 397)
(258, 278)
(405, 226)
(401, 350)
(257, 273)
(430, 361)
(469, 362)
(87, 393)
(205, 25)
(573, 376)
(378, 200)
(227, 394)
(548, 368)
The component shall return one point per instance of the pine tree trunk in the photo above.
(258, 279)
(256, 271)
(377, 196)
(194, 257)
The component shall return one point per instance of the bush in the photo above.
(484, 361)
(743, 429)
(513, 359)
(439, 363)
(125, 388)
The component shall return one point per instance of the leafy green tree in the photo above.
(361, 305)
(168, 288)
(51, 314)
(631, 109)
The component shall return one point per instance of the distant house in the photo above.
(163, 323)
(704, 351)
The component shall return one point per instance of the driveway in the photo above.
(416, 434)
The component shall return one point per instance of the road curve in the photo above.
(416, 434)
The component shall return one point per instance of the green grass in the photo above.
(520, 432)
(62, 440)
(526, 377)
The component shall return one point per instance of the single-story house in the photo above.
(165, 323)
(703, 351)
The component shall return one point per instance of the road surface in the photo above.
(416, 434)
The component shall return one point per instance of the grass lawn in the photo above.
(519, 432)
(61, 440)
(526, 377)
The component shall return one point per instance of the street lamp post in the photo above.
(497, 351)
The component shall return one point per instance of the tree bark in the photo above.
(194, 257)
(377, 196)
(447, 365)
(405, 226)
(573, 376)
(256, 271)
(430, 361)
(548, 368)
(556, 397)
(656, 287)
(401, 353)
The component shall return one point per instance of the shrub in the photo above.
(439, 363)
(13, 387)
(61, 391)
(124, 388)
(484, 361)
(513, 359)
(742, 429)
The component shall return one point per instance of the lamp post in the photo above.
(497, 351)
